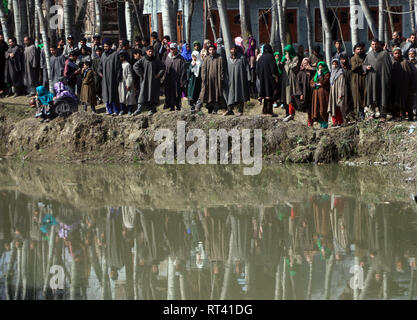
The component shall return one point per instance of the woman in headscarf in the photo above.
(62, 92)
(186, 53)
(204, 51)
(43, 100)
(338, 94)
(288, 79)
(194, 80)
(251, 55)
(302, 96)
(267, 72)
(320, 99)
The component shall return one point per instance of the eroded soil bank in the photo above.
(88, 137)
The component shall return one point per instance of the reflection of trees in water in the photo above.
(297, 250)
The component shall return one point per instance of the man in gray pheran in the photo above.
(238, 80)
(378, 66)
(32, 61)
(150, 71)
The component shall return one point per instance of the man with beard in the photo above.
(156, 43)
(57, 64)
(111, 72)
(175, 78)
(411, 43)
(69, 47)
(412, 97)
(3, 49)
(316, 57)
(267, 71)
(358, 77)
(14, 67)
(401, 80)
(96, 44)
(238, 81)
(71, 70)
(150, 70)
(212, 76)
(377, 66)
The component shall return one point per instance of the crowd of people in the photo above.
(130, 79)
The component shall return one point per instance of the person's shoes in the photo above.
(108, 113)
(138, 111)
(275, 105)
(15, 95)
(289, 118)
(228, 113)
(30, 95)
(171, 109)
(114, 114)
(239, 114)
(166, 107)
(337, 126)
(121, 113)
(93, 109)
(178, 108)
(129, 113)
(382, 120)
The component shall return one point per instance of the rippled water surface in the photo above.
(205, 232)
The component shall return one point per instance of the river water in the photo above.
(206, 232)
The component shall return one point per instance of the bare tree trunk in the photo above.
(167, 18)
(182, 282)
(411, 287)
(189, 20)
(274, 36)
(19, 274)
(51, 31)
(369, 17)
(139, 15)
(121, 21)
(106, 289)
(310, 281)
(245, 20)
(210, 16)
(171, 279)
(328, 277)
(284, 279)
(353, 23)
(4, 24)
(309, 27)
(391, 21)
(17, 22)
(278, 284)
(69, 14)
(128, 18)
(281, 7)
(24, 17)
(79, 20)
(36, 27)
(97, 9)
(10, 271)
(385, 285)
(381, 21)
(225, 27)
(25, 268)
(135, 269)
(415, 14)
(51, 85)
(227, 269)
(328, 35)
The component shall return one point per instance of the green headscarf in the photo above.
(279, 58)
(324, 71)
(290, 49)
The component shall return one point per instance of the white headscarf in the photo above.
(196, 68)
